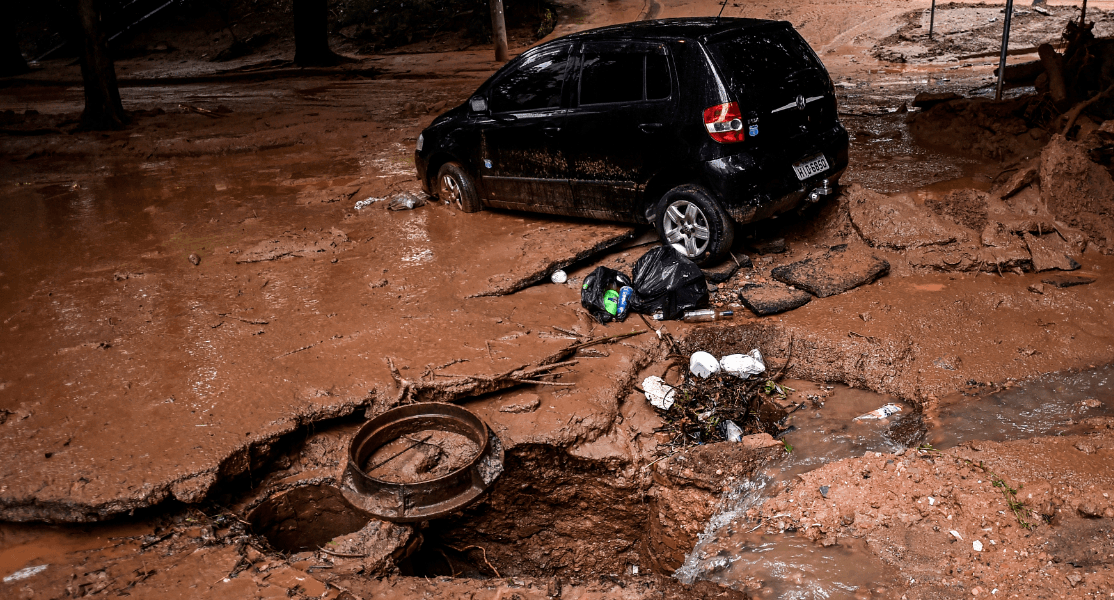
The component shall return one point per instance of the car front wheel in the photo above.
(692, 221)
(456, 187)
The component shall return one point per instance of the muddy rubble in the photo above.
(199, 315)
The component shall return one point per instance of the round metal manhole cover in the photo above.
(420, 462)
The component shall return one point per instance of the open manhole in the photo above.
(305, 518)
(420, 462)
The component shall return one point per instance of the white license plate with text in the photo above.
(810, 166)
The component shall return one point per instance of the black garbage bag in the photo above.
(594, 293)
(666, 280)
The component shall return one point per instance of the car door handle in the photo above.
(649, 127)
(550, 131)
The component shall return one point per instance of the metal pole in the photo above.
(1082, 15)
(499, 30)
(1005, 45)
(931, 19)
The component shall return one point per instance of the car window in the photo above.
(535, 84)
(761, 57)
(623, 75)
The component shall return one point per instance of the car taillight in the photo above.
(724, 123)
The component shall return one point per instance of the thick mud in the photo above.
(197, 317)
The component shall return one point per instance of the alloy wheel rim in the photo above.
(450, 191)
(686, 228)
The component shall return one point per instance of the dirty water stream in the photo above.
(774, 562)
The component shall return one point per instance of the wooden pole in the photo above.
(499, 30)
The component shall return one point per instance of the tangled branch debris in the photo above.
(451, 388)
(703, 406)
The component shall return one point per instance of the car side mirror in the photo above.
(478, 104)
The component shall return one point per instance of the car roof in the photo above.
(689, 27)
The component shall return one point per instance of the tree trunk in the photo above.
(1054, 68)
(311, 34)
(499, 30)
(103, 109)
(11, 59)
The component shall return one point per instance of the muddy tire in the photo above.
(692, 222)
(455, 186)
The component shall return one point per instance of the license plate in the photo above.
(810, 166)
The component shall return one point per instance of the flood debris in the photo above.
(836, 271)
(297, 244)
(1065, 281)
(772, 298)
(879, 413)
(708, 395)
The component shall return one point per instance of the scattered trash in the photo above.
(824, 491)
(25, 573)
(730, 431)
(600, 293)
(559, 276)
(658, 392)
(743, 365)
(406, 201)
(625, 294)
(977, 545)
(956, 534)
(703, 364)
(704, 315)
(879, 413)
(931, 501)
(667, 281)
(194, 259)
(366, 202)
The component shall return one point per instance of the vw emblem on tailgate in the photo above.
(800, 102)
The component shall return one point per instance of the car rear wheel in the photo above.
(692, 221)
(456, 187)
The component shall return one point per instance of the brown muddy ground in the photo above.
(169, 399)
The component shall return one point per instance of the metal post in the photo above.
(1005, 45)
(1083, 15)
(931, 18)
(499, 30)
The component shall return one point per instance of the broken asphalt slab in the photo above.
(772, 298)
(838, 270)
(896, 221)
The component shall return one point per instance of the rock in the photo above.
(1050, 252)
(524, 404)
(926, 100)
(839, 270)
(896, 221)
(376, 547)
(195, 259)
(1037, 288)
(727, 269)
(1025, 176)
(771, 246)
(772, 298)
(1064, 281)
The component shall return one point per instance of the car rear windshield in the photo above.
(758, 58)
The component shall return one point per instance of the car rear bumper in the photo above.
(753, 185)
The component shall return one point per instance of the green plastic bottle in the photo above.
(611, 302)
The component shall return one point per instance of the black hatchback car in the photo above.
(692, 125)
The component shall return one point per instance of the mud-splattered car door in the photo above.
(521, 162)
(617, 132)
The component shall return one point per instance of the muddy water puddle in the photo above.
(769, 560)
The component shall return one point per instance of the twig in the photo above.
(295, 351)
(567, 332)
(462, 550)
(400, 453)
(201, 111)
(341, 554)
